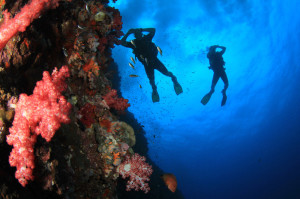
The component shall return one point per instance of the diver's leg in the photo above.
(150, 75)
(206, 97)
(214, 82)
(225, 80)
(161, 68)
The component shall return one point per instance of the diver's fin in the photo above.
(224, 99)
(206, 98)
(155, 96)
(177, 88)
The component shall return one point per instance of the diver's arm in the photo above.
(123, 40)
(150, 30)
(223, 49)
(213, 48)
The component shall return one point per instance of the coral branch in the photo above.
(31, 11)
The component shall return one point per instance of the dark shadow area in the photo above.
(11, 188)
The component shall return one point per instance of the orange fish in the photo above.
(170, 181)
(132, 75)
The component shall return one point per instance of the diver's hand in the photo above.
(130, 31)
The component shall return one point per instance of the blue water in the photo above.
(248, 149)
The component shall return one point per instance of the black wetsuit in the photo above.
(146, 52)
(217, 65)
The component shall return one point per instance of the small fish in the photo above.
(146, 60)
(132, 60)
(80, 27)
(65, 52)
(87, 8)
(142, 57)
(132, 42)
(130, 64)
(170, 181)
(159, 50)
(132, 75)
(140, 86)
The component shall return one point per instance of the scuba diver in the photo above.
(146, 52)
(217, 65)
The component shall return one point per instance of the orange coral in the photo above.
(2, 3)
(116, 155)
(91, 66)
(117, 159)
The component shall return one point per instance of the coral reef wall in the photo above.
(64, 128)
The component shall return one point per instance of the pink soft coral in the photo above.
(138, 171)
(38, 114)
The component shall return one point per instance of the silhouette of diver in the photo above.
(217, 65)
(146, 52)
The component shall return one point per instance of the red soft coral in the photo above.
(38, 114)
(11, 26)
(111, 99)
(87, 114)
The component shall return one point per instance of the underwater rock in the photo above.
(126, 132)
